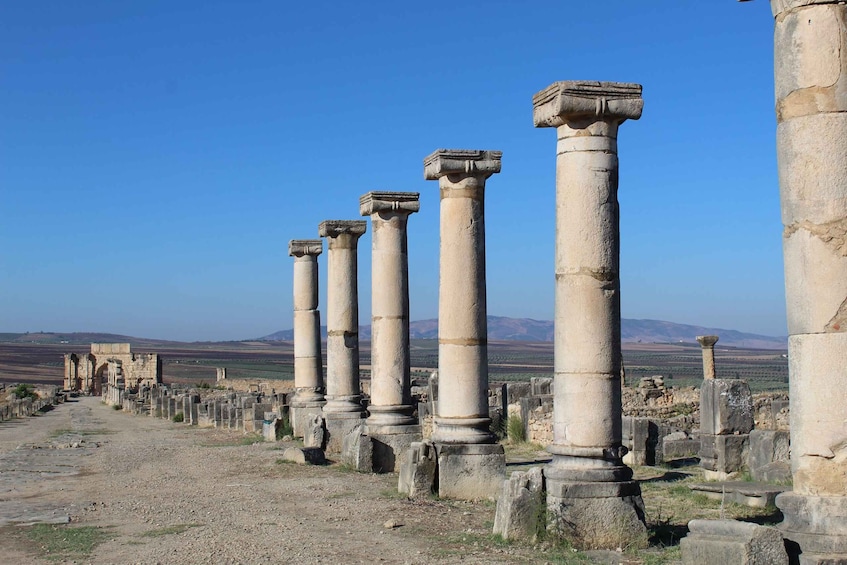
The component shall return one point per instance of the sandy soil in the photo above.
(137, 475)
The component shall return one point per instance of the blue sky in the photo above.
(156, 157)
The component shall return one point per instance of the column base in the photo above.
(815, 528)
(338, 425)
(300, 411)
(344, 404)
(389, 445)
(596, 515)
(462, 431)
(395, 415)
(470, 472)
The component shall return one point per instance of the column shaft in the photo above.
(343, 389)
(391, 403)
(308, 370)
(811, 110)
(587, 409)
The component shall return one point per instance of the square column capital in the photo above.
(468, 162)
(301, 247)
(569, 100)
(401, 202)
(335, 228)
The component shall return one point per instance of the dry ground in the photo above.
(162, 492)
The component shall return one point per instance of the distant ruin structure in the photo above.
(88, 373)
(591, 497)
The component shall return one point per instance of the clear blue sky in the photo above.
(156, 157)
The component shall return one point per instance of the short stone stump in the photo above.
(600, 515)
(720, 542)
(470, 471)
(338, 426)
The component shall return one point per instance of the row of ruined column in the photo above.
(587, 478)
(589, 489)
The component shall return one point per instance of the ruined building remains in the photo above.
(88, 373)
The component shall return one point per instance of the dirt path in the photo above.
(171, 493)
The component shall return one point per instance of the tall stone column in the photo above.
(391, 426)
(308, 398)
(707, 342)
(591, 497)
(343, 409)
(470, 464)
(811, 112)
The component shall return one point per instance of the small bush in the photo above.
(25, 391)
(284, 429)
(116, 407)
(178, 417)
(515, 429)
(204, 384)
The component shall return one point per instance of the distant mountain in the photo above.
(632, 331)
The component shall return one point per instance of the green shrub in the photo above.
(116, 407)
(178, 417)
(25, 391)
(204, 384)
(515, 429)
(284, 429)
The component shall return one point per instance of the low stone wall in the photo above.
(49, 396)
(265, 386)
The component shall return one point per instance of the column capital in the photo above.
(569, 100)
(402, 202)
(707, 340)
(335, 228)
(466, 162)
(301, 247)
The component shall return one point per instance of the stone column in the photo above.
(308, 398)
(343, 409)
(470, 464)
(390, 424)
(707, 342)
(811, 115)
(591, 496)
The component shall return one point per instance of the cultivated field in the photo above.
(680, 364)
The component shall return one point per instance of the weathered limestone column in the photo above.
(591, 497)
(343, 409)
(707, 342)
(308, 396)
(470, 464)
(390, 424)
(811, 112)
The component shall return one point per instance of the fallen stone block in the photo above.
(521, 505)
(755, 495)
(357, 450)
(315, 433)
(304, 455)
(720, 542)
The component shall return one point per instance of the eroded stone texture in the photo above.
(390, 408)
(811, 108)
(462, 409)
(417, 470)
(343, 408)
(591, 497)
(308, 397)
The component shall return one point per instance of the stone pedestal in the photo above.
(707, 342)
(468, 462)
(591, 497)
(470, 471)
(390, 424)
(343, 410)
(308, 398)
(726, 419)
(721, 542)
(811, 112)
